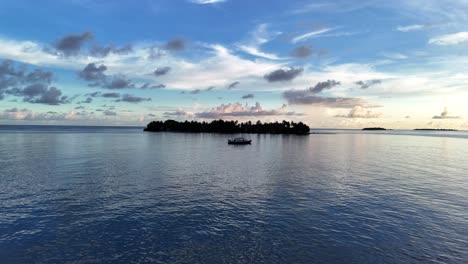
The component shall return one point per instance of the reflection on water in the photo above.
(120, 195)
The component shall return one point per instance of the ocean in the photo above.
(121, 195)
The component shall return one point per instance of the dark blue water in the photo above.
(119, 195)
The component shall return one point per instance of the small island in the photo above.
(228, 127)
(374, 128)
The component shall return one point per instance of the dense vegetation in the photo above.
(221, 126)
(374, 128)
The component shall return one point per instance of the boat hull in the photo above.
(240, 143)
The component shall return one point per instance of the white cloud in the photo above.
(261, 35)
(252, 50)
(450, 39)
(310, 35)
(409, 28)
(395, 55)
(218, 66)
(204, 2)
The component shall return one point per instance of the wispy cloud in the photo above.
(409, 28)
(252, 50)
(204, 2)
(256, 39)
(311, 34)
(395, 55)
(450, 39)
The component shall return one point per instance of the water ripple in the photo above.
(123, 196)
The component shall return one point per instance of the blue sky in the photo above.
(343, 64)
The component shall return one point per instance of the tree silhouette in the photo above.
(222, 126)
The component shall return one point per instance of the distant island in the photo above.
(434, 129)
(222, 126)
(374, 128)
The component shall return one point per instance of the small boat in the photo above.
(239, 141)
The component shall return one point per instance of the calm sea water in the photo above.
(119, 195)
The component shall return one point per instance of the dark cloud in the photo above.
(15, 110)
(88, 100)
(92, 72)
(79, 107)
(104, 51)
(7, 67)
(283, 75)
(367, 84)
(196, 91)
(152, 86)
(41, 94)
(161, 71)
(176, 44)
(302, 52)
(445, 115)
(96, 75)
(360, 112)
(233, 85)
(151, 115)
(39, 75)
(72, 44)
(306, 97)
(319, 87)
(105, 95)
(33, 86)
(11, 110)
(119, 82)
(310, 97)
(94, 94)
(111, 95)
(128, 98)
(248, 96)
(333, 102)
(109, 113)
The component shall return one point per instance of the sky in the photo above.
(398, 64)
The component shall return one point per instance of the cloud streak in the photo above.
(450, 39)
(310, 34)
(239, 110)
(360, 112)
(410, 28)
(206, 2)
